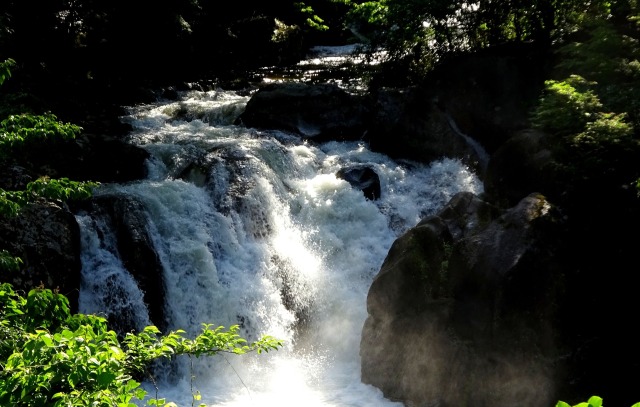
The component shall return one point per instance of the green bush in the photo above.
(63, 189)
(566, 106)
(49, 357)
(25, 130)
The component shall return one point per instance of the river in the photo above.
(254, 228)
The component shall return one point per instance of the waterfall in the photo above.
(481, 153)
(254, 228)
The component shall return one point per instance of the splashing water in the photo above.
(255, 229)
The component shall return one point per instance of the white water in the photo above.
(263, 214)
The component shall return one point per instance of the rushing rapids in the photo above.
(254, 228)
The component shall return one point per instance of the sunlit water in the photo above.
(254, 228)
(343, 65)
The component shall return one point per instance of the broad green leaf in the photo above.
(106, 378)
(595, 401)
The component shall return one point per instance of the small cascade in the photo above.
(481, 153)
(107, 288)
(256, 229)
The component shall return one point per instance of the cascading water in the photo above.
(255, 229)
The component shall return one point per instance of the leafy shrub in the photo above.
(61, 189)
(24, 130)
(49, 357)
(566, 106)
(609, 56)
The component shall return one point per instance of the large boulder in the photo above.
(402, 123)
(464, 309)
(319, 112)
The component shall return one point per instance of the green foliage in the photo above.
(312, 19)
(23, 131)
(594, 401)
(5, 69)
(9, 263)
(11, 202)
(594, 113)
(19, 131)
(283, 32)
(369, 12)
(599, 56)
(61, 189)
(566, 106)
(423, 31)
(609, 56)
(49, 357)
(595, 146)
(608, 128)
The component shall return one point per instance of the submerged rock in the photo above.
(363, 178)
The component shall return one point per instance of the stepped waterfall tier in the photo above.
(255, 228)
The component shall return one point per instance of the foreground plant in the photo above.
(594, 401)
(49, 357)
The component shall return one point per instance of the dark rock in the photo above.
(14, 177)
(87, 158)
(405, 123)
(227, 172)
(408, 124)
(46, 236)
(523, 163)
(464, 309)
(490, 93)
(105, 159)
(363, 178)
(292, 292)
(319, 112)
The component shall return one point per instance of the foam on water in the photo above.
(270, 239)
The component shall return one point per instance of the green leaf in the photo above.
(595, 401)
(47, 340)
(73, 379)
(105, 379)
